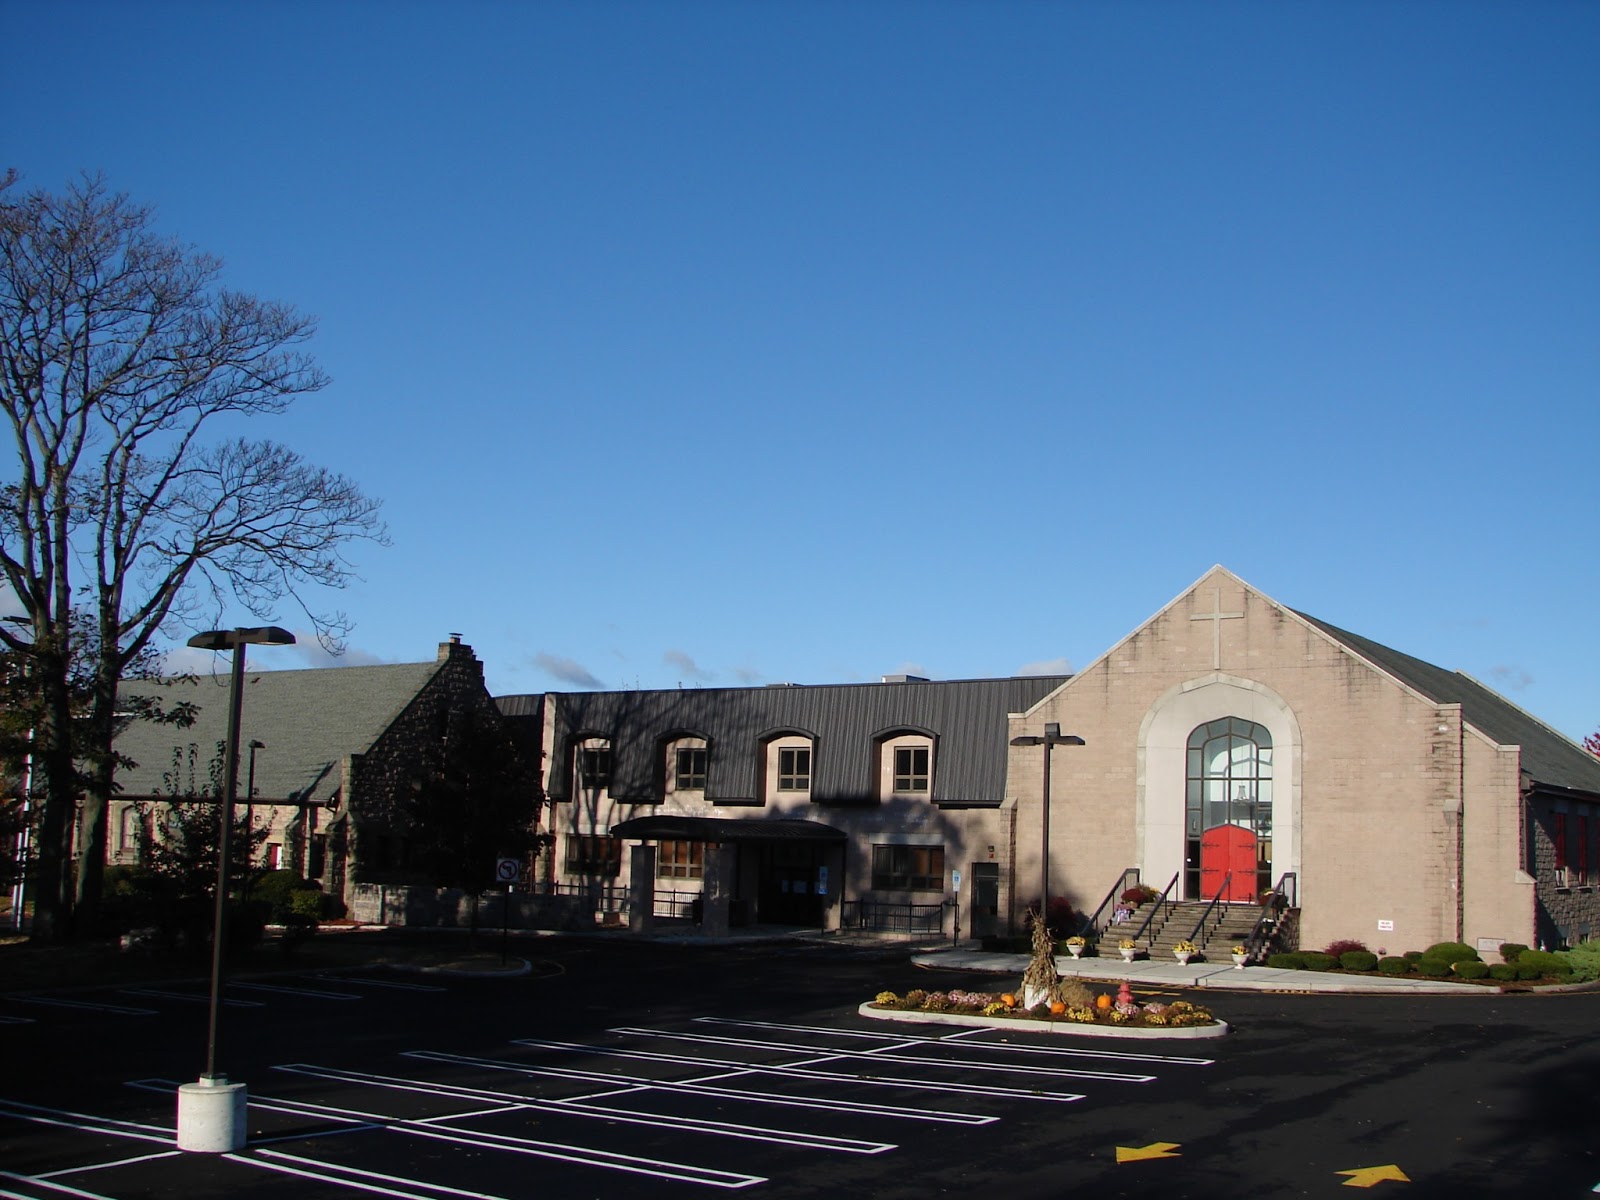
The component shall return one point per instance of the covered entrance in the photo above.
(773, 872)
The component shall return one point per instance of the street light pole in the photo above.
(1052, 738)
(211, 1113)
(250, 788)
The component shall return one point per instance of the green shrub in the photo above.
(1504, 972)
(1468, 969)
(1451, 952)
(1317, 961)
(1289, 961)
(1584, 960)
(1545, 965)
(1434, 968)
(280, 892)
(1343, 946)
(1358, 960)
(1510, 950)
(1413, 955)
(1394, 966)
(307, 904)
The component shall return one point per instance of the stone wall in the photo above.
(451, 908)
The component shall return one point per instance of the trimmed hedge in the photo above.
(1358, 960)
(1413, 955)
(1510, 950)
(1544, 963)
(1451, 952)
(1468, 969)
(1504, 972)
(1394, 966)
(1289, 961)
(1434, 968)
(1317, 961)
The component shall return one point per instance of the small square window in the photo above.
(691, 770)
(588, 854)
(911, 769)
(594, 768)
(794, 769)
(680, 860)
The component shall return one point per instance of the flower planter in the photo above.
(1238, 962)
(1183, 956)
(1127, 953)
(1075, 951)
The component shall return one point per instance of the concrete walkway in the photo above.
(1216, 976)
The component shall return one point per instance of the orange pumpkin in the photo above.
(1008, 1000)
(1102, 1001)
(1057, 1007)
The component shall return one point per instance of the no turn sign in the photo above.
(507, 870)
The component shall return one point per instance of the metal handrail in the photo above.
(1160, 902)
(1091, 927)
(1194, 934)
(1276, 901)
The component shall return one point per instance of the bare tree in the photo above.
(119, 350)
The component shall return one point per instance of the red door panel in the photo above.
(1224, 849)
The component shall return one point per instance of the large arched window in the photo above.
(1229, 784)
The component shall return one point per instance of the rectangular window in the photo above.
(1583, 851)
(794, 769)
(908, 868)
(317, 860)
(681, 860)
(911, 768)
(691, 770)
(588, 854)
(1558, 836)
(274, 856)
(594, 768)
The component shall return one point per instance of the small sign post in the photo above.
(506, 871)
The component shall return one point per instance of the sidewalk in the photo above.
(1214, 976)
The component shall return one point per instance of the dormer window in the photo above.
(906, 764)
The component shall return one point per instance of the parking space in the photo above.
(711, 1102)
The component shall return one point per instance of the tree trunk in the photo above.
(52, 881)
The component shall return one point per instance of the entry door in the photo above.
(1224, 849)
(985, 918)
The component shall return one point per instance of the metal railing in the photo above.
(677, 906)
(891, 916)
(1275, 905)
(1196, 934)
(1099, 921)
(1163, 907)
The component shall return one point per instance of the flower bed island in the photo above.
(1076, 1010)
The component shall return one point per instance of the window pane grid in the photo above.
(794, 769)
(908, 868)
(691, 770)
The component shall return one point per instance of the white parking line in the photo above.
(314, 993)
(121, 1162)
(87, 1005)
(792, 1072)
(17, 1021)
(350, 1177)
(696, 1088)
(758, 1133)
(86, 1123)
(881, 1053)
(382, 983)
(971, 1035)
(57, 1188)
(188, 997)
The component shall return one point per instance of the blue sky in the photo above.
(716, 343)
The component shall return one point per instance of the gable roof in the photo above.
(968, 717)
(1547, 756)
(309, 719)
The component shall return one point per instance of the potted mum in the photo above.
(1128, 949)
(1075, 946)
(1185, 950)
(1240, 956)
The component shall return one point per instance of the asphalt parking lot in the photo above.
(616, 1066)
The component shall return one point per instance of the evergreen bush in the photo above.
(1504, 972)
(1317, 961)
(1434, 968)
(1394, 966)
(1546, 963)
(1469, 969)
(1358, 960)
(1451, 952)
(1510, 950)
(1413, 955)
(1584, 960)
(1287, 961)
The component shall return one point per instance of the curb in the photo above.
(1033, 1025)
(523, 967)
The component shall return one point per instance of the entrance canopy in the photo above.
(725, 829)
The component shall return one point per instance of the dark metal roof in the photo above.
(310, 721)
(725, 829)
(1547, 756)
(967, 719)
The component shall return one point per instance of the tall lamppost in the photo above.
(1052, 738)
(250, 788)
(212, 1112)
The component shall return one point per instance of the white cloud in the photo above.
(1047, 666)
(1510, 678)
(685, 665)
(567, 670)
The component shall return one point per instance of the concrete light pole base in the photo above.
(212, 1115)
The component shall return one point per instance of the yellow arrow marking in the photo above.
(1365, 1177)
(1127, 1154)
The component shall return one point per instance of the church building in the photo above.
(1229, 750)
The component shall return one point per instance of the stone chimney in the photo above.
(455, 648)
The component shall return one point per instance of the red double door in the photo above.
(1228, 852)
